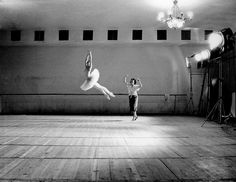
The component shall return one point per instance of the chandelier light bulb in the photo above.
(169, 12)
(161, 16)
(180, 24)
(190, 15)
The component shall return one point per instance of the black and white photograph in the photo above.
(117, 90)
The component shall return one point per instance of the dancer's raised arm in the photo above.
(140, 83)
(88, 61)
(90, 54)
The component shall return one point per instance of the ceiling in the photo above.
(30, 14)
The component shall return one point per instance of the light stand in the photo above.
(190, 105)
(201, 103)
(219, 106)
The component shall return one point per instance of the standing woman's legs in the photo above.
(133, 104)
(135, 108)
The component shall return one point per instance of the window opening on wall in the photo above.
(88, 35)
(39, 35)
(112, 34)
(185, 34)
(137, 35)
(63, 35)
(15, 35)
(161, 35)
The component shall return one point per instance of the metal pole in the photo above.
(220, 91)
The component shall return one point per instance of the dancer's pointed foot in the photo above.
(135, 118)
(111, 94)
(107, 96)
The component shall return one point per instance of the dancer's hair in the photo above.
(132, 80)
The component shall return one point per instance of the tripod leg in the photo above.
(192, 106)
(186, 108)
(213, 109)
(223, 113)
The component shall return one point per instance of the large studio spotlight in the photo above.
(222, 40)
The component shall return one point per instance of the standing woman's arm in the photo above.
(140, 83)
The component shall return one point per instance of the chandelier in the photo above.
(175, 18)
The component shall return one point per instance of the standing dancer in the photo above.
(93, 77)
(133, 95)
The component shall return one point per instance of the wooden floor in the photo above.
(114, 148)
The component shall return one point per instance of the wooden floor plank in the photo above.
(152, 152)
(39, 152)
(217, 167)
(29, 141)
(24, 170)
(84, 170)
(121, 170)
(9, 166)
(192, 151)
(14, 151)
(153, 170)
(7, 140)
(46, 169)
(206, 168)
(185, 169)
(5, 162)
(112, 142)
(103, 169)
(223, 150)
(111, 152)
(77, 152)
(69, 169)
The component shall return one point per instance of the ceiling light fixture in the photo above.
(175, 18)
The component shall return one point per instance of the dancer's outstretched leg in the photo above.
(100, 88)
(108, 92)
(104, 90)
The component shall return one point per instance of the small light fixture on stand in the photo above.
(190, 106)
(175, 18)
(198, 57)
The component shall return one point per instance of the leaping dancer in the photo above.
(92, 78)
